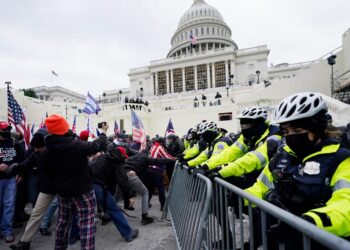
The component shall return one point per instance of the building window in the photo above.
(229, 68)
(225, 116)
(140, 83)
(189, 78)
(220, 74)
(161, 82)
(196, 32)
(251, 79)
(211, 75)
(213, 31)
(251, 66)
(177, 80)
(202, 77)
(208, 30)
(169, 80)
(202, 31)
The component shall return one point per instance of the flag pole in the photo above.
(8, 83)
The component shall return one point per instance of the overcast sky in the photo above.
(92, 44)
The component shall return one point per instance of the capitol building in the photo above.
(204, 60)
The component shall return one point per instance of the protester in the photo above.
(68, 160)
(153, 178)
(108, 171)
(137, 166)
(11, 153)
(46, 188)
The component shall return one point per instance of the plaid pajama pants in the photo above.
(84, 205)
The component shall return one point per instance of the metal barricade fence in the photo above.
(229, 229)
(187, 205)
(202, 218)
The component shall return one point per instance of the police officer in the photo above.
(216, 141)
(310, 175)
(255, 129)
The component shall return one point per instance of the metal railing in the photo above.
(204, 217)
(187, 205)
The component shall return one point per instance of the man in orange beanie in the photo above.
(84, 135)
(67, 159)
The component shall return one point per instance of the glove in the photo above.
(199, 170)
(190, 170)
(180, 158)
(309, 219)
(213, 174)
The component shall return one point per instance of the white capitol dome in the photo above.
(206, 24)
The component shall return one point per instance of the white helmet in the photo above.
(299, 106)
(253, 113)
(207, 126)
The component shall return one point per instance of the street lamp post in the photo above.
(120, 96)
(258, 75)
(229, 84)
(331, 62)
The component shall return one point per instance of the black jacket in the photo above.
(34, 165)
(67, 158)
(109, 172)
(139, 163)
(10, 153)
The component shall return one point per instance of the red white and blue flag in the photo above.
(74, 126)
(170, 129)
(116, 128)
(91, 106)
(17, 118)
(138, 131)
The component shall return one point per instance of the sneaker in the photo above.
(45, 232)
(133, 235)
(9, 238)
(131, 208)
(146, 219)
(21, 246)
(161, 207)
(150, 205)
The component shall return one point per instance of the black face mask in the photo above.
(300, 144)
(249, 133)
(5, 134)
(209, 136)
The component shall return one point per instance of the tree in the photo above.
(30, 93)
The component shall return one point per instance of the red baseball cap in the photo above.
(4, 126)
(84, 135)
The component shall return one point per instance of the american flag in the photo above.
(116, 128)
(17, 118)
(54, 73)
(74, 126)
(170, 129)
(193, 40)
(138, 131)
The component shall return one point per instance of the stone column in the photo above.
(167, 81)
(208, 75)
(195, 78)
(157, 91)
(213, 72)
(172, 81)
(183, 80)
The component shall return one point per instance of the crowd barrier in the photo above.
(203, 218)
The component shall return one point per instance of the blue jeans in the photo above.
(105, 199)
(49, 214)
(8, 188)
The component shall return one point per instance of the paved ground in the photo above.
(155, 236)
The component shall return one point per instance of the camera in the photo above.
(101, 124)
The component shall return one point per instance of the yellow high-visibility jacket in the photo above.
(217, 146)
(253, 160)
(238, 149)
(334, 217)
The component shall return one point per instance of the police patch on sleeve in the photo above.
(221, 147)
(312, 168)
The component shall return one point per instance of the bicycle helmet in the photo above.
(299, 106)
(207, 126)
(253, 113)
